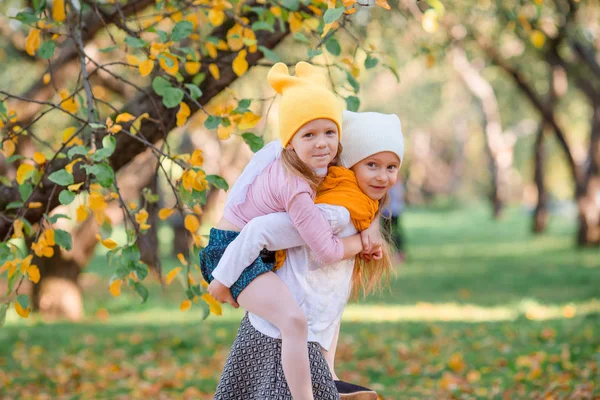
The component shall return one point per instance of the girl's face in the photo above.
(316, 143)
(377, 173)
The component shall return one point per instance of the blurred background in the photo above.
(496, 293)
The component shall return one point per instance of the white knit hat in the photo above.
(368, 133)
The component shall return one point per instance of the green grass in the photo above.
(481, 309)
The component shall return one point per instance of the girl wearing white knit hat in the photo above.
(350, 197)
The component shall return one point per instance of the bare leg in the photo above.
(330, 354)
(269, 298)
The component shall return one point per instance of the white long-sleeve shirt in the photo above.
(320, 290)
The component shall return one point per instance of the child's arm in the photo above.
(273, 232)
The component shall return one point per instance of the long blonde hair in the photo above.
(295, 166)
(374, 275)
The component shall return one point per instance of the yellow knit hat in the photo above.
(304, 98)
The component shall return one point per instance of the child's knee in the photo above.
(295, 323)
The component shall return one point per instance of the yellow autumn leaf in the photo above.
(135, 127)
(22, 312)
(383, 4)
(187, 179)
(216, 17)
(200, 182)
(69, 166)
(171, 275)
(25, 264)
(174, 68)
(430, 21)
(183, 114)
(33, 273)
(82, 213)
(276, 11)
(212, 49)
(191, 223)
(248, 121)
(35, 204)
(192, 67)
(124, 117)
(46, 78)
(537, 39)
(214, 71)
(49, 237)
(39, 158)
(197, 159)
(68, 103)
(132, 60)
(75, 141)
(32, 43)
(213, 305)
(18, 229)
(182, 259)
(115, 287)
(240, 65)
(8, 147)
(141, 217)
(295, 22)
(96, 202)
(23, 172)
(58, 10)
(165, 213)
(235, 37)
(185, 305)
(225, 132)
(146, 67)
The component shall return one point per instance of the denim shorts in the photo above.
(217, 244)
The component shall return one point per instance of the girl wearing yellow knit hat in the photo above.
(282, 177)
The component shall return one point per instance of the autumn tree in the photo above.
(167, 61)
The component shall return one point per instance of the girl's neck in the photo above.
(320, 172)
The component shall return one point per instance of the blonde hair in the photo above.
(295, 166)
(374, 275)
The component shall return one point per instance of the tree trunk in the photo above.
(540, 216)
(499, 145)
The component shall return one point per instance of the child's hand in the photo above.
(376, 254)
(221, 293)
(371, 237)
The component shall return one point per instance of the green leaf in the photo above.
(14, 158)
(255, 142)
(217, 182)
(332, 14)
(262, 26)
(95, 125)
(242, 106)
(14, 204)
(63, 239)
(3, 308)
(199, 78)
(141, 270)
(353, 82)
(61, 177)
(333, 46)
(195, 91)
(181, 30)
(105, 230)
(134, 42)
(109, 142)
(66, 197)
(172, 97)
(25, 190)
(352, 103)
(26, 18)
(311, 53)
(56, 217)
(109, 49)
(39, 5)
(299, 36)
(291, 4)
(77, 150)
(141, 291)
(46, 50)
(370, 62)
(103, 172)
(23, 300)
(394, 71)
(212, 122)
(160, 84)
(162, 35)
(270, 54)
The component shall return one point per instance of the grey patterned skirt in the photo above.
(253, 370)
